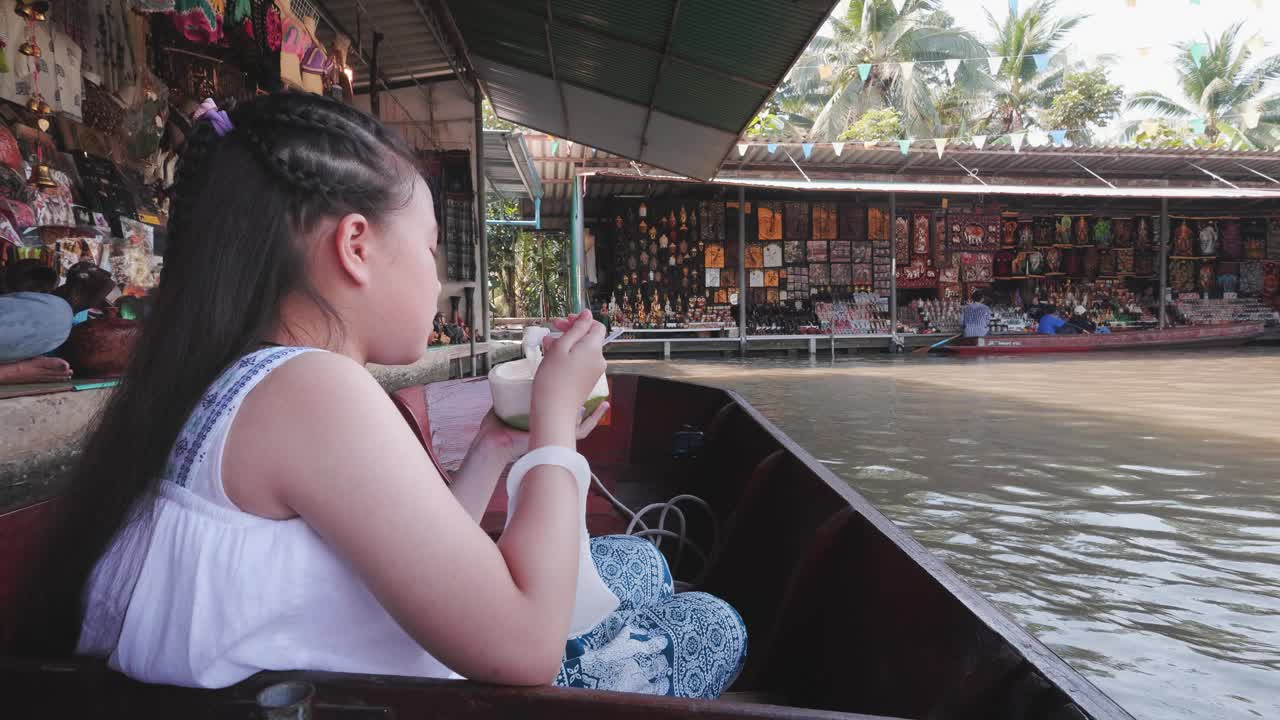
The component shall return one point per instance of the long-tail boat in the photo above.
(848, 616)
(1194, 336)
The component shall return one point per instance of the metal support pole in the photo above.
(482, 211)
(742, 271)
(893, 271)
(576, 228)
(1164, 258)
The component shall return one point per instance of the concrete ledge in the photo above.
(43, 434)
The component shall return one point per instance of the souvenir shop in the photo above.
(96, 97)
(864, 263)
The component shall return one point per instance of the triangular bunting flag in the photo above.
(1198, 51)
(1016, 139)
(1144, 51)
(1197, 126)
(940, 144)
(1059, 137)
(899, 4)
(953, 66)
(1195, 2)
(568, 144)
(979, 141)
(1131, 3)
(807, 149)
(837, 148)
(773, 148)
(555, 145)
(906, 69)
(994, 63)
(742, 149)
(868, 144)
(903, 145)
(1256, 44)
(1042, 60)
(1149, 127)
(864, 69)
(1251, 117)
(824, 71)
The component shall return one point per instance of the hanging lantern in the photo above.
(37, 10)
(33, 104)
(43, 108)
(29, 49)
(41, 177)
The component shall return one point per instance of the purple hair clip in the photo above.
(209, 110)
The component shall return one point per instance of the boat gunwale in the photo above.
(1056, 670)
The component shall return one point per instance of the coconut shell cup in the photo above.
(511, 384)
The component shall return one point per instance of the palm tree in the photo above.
(1021, 87)
(874, 32)
(1223, 89)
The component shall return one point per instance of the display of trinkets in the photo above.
(825, 222)
(796, 221)
(902, 239)
(1182, 240)
(1102, 233)
(973, 233)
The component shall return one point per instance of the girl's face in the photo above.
(404, 286)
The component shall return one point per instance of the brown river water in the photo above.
(1124, 508)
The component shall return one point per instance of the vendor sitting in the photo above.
(33, 322)
(1050, 323)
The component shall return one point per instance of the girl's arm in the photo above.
(496, 446)
(347, 463)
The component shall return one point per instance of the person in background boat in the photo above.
(33, 323)
(1050, 322)
(250, 498)
(976, 316)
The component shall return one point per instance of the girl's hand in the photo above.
(571, 365)
(498, 442)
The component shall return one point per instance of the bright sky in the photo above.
(1115, 28)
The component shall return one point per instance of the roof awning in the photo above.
(975, 188)
(508, 171)
(671, 83)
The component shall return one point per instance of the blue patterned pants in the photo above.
(658, 643)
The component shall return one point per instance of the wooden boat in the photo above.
(848, 616)
(1195, 336)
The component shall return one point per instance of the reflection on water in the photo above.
(1126, 509)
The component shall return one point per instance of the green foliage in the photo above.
(878, 124)
(1087, 99)
(528, 269)
(1227, 83)
(490, 119)
(1162, 135)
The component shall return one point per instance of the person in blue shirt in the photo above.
(1050, 322)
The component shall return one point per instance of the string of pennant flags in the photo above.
(1017, 140)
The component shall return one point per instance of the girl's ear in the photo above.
(351, 241)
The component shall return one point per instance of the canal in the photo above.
(1124, 508)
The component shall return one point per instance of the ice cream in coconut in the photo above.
(512, 383)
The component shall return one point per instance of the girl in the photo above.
(252, 500)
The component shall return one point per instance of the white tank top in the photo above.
(221, 594)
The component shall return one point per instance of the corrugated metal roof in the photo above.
(409, 48)
(667, 82)
(1112, 163)
(507, 168)
(971, 188)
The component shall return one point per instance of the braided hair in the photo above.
(243, 205)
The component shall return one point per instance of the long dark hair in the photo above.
(243, 205)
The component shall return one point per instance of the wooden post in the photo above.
(482, 213)
(375, 103)
(742, 271)
(1164, 259)
(893, 271)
